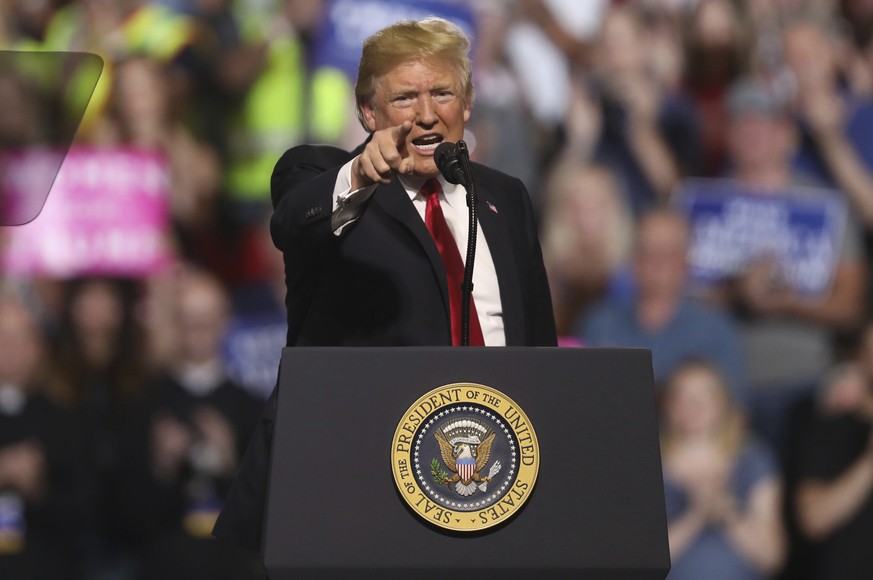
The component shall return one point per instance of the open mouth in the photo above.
(427, 144)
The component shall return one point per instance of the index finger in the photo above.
(401, 131)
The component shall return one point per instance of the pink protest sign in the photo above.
(107, 214)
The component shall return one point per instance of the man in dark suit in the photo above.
(373, 239)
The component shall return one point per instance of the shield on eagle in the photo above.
(466, 467)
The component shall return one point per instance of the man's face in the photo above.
(427, 93)
(757, 139)
(661, 255)
(201, 320)
(619, 49)
(19, 345)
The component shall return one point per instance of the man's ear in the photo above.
(368, 116)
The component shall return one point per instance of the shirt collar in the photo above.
(452, 193)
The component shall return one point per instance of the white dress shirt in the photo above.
(486, 289)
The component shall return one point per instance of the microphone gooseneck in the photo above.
(472, 230)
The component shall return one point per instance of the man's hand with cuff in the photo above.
(383, 157)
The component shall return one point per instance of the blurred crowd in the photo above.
(123, 407)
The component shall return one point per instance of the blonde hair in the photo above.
(560, 233)
(430, 38)
(732, 429)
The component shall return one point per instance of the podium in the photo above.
(595, 512)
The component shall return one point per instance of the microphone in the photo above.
(448, 160)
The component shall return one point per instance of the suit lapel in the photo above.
(395, 202)
(496, 231)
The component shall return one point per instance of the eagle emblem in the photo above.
(447, 452)
(465, 447)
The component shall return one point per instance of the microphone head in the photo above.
(444, 152)
(448, 161)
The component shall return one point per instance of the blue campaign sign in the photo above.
(347, 23)
(252, 349)
(800, 229)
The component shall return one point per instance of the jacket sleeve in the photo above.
(538, 297)
(301, 188)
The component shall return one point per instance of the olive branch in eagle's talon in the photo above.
(440, 477)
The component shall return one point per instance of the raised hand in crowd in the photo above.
(823, 110)
(642, 101)
(583, 123)
(171, 442)
(648, 134)
(575, 49)
(209, 440)
(841, 140)
(764, 289)
(705, 473)
(216, 440)
(639, 95)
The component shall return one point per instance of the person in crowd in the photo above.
(660, 316)
(545, 42)
(722, 488)
(23, 24)
(98, 367)
(500, 133)
(835, 124)
(20, 124)
(836, 127)
(664, 35)
(788, 336)
(20, 129)
(29, 20)
(143, 118)
(272, 96)
(834, 497)
(45, 494)
(258, 92)
(718, 43)
(648, 137)
(587, 232)
(114, 30)
(181, 446)
(858, 57)
(258, 323)
(98, 364)
(378, 220)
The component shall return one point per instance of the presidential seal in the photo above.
(465, 457)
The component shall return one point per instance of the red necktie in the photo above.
(445, 243)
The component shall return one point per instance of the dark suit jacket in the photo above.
(380, 283)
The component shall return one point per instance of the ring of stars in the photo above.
(479, 503)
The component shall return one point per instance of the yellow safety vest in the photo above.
(151, 30)
(271, 117)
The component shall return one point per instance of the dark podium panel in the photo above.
(596, 512)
